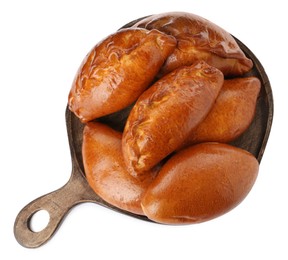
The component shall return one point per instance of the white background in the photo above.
(42, 44)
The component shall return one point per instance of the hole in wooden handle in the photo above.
(39, 220)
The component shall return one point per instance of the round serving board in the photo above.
(76, 190)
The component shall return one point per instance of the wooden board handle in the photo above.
(57, 204)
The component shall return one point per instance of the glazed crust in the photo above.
(198, 39)
(165, 114)
(200, 183)
(117, 70)
(106, 172)
(232, 113)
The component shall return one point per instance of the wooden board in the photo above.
(58, 203)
